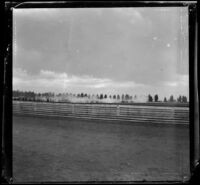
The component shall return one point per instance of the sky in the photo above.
(136, 51)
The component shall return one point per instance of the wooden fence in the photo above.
(134, 113)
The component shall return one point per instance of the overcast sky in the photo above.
(101, 50)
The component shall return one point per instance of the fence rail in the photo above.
(138, 113)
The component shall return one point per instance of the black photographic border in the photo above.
(6, 98)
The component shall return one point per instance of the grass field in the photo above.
(52, 149)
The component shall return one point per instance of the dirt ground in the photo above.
(52, 149)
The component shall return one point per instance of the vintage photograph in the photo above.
(100, 94)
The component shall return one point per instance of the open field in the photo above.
(66, 149)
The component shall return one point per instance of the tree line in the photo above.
(180, 99)
(32, 96)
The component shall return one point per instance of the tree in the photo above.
(126, 97)
(105, 96)
(179, 99)
(156, 98)
(118, 96)
(110, 97)
(171, 99)
(123, 97)
(165, 99)
(101, 96)
(82, 94)
(184, 99)
(150, 99)
(114, 96)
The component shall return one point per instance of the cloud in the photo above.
(49, 81)
(39, 14)
(52, 81)
(101, 49)
(180, 80)
(131, 14)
